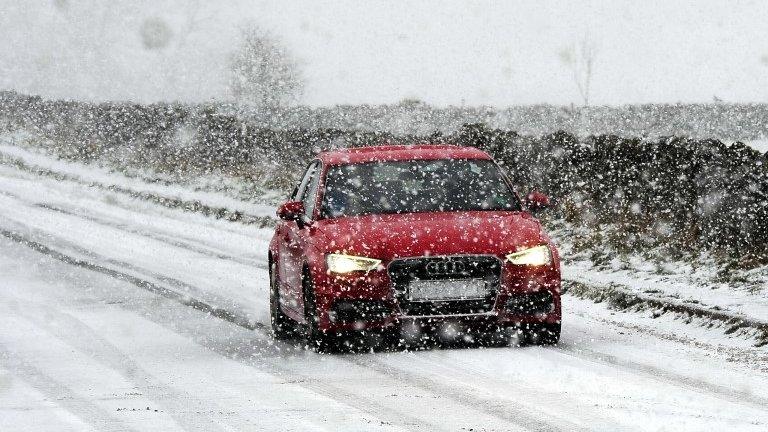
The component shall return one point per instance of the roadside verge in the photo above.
(623, 299)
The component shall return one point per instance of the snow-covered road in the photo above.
(120, 314)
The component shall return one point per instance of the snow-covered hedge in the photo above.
(680, 194)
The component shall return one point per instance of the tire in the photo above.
(393, 340)
(495, 338)
(546, 334)
(317, 339)
(283, 327)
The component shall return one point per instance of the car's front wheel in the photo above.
(545, 334)
(282, 326)
(316, 338)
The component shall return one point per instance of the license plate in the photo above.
(455, 289)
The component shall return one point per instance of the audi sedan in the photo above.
(427, 241)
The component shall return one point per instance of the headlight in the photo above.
(340, 263)
(535, 256)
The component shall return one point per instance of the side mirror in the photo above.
(536, 201)
(291, 210)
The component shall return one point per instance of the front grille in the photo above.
(540, 302)
(485, 267)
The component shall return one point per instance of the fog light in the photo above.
(514, 336)
(450, 331)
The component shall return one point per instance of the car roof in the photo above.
(399, 153)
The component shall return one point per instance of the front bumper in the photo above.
(371, 301)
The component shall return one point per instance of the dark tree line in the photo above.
(682, 194)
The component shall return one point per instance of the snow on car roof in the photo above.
(400, 152)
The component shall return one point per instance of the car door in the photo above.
(297, 238)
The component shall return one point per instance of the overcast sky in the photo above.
(477, 53)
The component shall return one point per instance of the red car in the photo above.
(413, 241)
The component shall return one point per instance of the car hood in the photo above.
(418, 234)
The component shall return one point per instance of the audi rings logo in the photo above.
(445, 267)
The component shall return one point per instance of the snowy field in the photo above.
(117, 313)
(759, 145)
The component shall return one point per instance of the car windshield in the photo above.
(416, 186)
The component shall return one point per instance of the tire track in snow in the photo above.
(83, 338)
(152, 287)
(162, 238)
(88, 412)
(186, 244)
(187, 290)
(490, 405)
